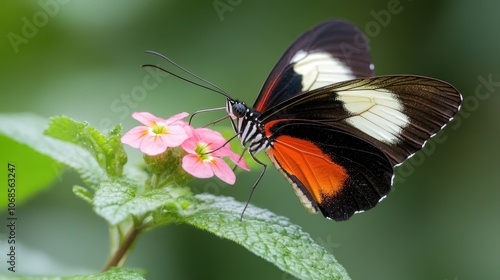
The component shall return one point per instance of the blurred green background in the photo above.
(82, 59)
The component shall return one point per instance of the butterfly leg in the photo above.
(241, 156)
(223, 145)
(264, 166)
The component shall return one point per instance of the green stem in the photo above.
(121, 252)
(156, 180)
(114, 240)
(165, 182)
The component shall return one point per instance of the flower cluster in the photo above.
(204, 148)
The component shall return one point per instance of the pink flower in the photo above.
(205, 153)
(157, 134)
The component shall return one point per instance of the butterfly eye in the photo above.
(239, 109)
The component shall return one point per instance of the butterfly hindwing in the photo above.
(330, 52)
(335, 172)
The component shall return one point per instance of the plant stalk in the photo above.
(121, 252)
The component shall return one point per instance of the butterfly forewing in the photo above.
(396, 114)
(331, 52)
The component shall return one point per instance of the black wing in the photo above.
(338, 144)
(396, 114)
(335, 172)
(330, 52)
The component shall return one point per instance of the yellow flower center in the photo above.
(159, 128)
(202, 151)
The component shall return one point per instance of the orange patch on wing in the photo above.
(314, 169)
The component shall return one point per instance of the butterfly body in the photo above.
(335, 131)
(249, 126)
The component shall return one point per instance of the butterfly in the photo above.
(334, 130)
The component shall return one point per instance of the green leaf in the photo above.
(83, 193)
(267, 235)
(107, 150)
(33, 171)
(112, 273)
(119, 200)
(28, 129)
(115, 153)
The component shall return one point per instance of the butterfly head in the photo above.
(236, 109)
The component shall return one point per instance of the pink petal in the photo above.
(176, 134)
(189, 145)
(177, 118)
(219, 150)
(189, 130)
(135, 136)
(238, 160)
(222, 170)
(153, 145)
(210, 136)
(196, 167)
(146, 118)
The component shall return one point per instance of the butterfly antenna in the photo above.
(182, 78)
(214, 87)
(264, 166)
(208, 110)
